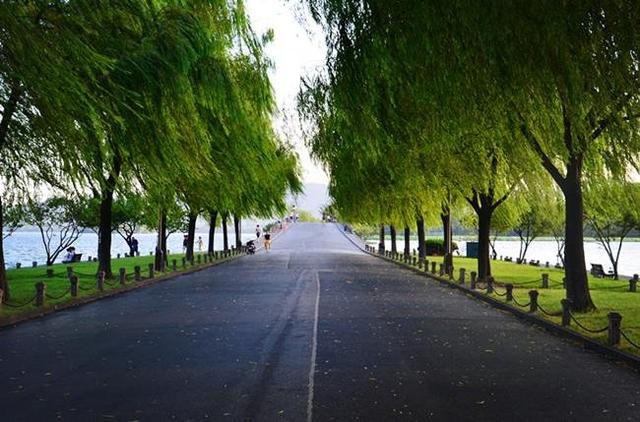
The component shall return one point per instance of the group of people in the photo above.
(185, 243)
(266, 238)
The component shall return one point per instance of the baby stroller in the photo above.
(251, 247)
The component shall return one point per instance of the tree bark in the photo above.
(225, 236)
(392, 233)
(484, 229)
(4, 282)
(422, 250)
(237, 231)
(575, 267)
(191, 235)
(161, 247)
(213, 216)
(407, 240)
(447, 234)
(381, 245)
(104, 231)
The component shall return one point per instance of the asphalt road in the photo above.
(314, 329)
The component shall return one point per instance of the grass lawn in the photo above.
(608, 296)
(22, 281)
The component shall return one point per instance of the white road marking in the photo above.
(314, 349)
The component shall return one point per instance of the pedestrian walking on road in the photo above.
(267, 241)
(257, 231)
(200, 243)
(185, 243)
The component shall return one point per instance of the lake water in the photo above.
(26, 247)
(545, 250)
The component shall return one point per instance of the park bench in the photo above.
(598, 271)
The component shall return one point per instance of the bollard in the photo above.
(473, 279)
(633, 283)
(489, 285)
(533, 297)
(566, 312)
(509, 287)
(40, 292)
(150, 270)
(420, 262)
(123, 276)
(199, 259)
(73, 285)
(49, 272)
(426, 265)
(136, 273)
(100, 281)
(34, 264)
(69, 272)
(545, 280)
(414, 261)
(441, 271)
(174, 264)
(184, 262)
(118, 256)
(615, 320)
(461, 277)
(433, 267)
(89, 258)
(18, 265)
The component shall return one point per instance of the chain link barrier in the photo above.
(631, 342)
(589, 330)
(58, 297)
(20, 305)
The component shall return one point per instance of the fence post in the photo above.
(123, 276)
(566, 312)
(414, 261)
(615, 320)
(533, 297)
(633, 283)
(69, 272)
(34, 264)
(40, 292)
(100, 281)
(217, 255)
(441, 269)
(136, 273)
(489, 285)
(184, 262)
(73, 285)
(49, 272)
(462, 276)
(509, 288)
(420, 262)
(174, 264)
(473, 279)
(545, 280)
(150, 270)
(433, 267)
(426, 265)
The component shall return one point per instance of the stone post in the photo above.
(73, 285)
(199, 259)
(420, 264)
(633, 283)
(509, 287)
(462, 276)
(441, 270)
(69, 272)
(533, 298)
(474, 276)
(100, 281)
(566, 312)
(151, 271)
(136, 273)
(433, 267)
(545, 280)
(489, 285)
(49, 272)
(174, 264)
(615, 320)
(414, 261)
(426, 265)
(123, 276)
(40, 292)
(184, 262)
(217, 255)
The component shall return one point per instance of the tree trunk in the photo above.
(213, 216)
(392, 233)
(447, 234)
(575, 268)
(161, 247)
(422, 250)
(381, 245)
(104, 232)
(484, 229)
(407, 240)
(225, 238)
(191, 234)
(4, 282)
(236, 228)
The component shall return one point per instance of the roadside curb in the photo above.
(588, 343)
(39, 313)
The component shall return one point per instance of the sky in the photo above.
(297, 50)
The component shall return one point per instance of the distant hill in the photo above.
(314, 197)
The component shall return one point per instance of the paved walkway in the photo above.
(313, 329)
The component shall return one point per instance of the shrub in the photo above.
(436, 246)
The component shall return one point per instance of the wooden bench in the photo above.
(598, 271)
